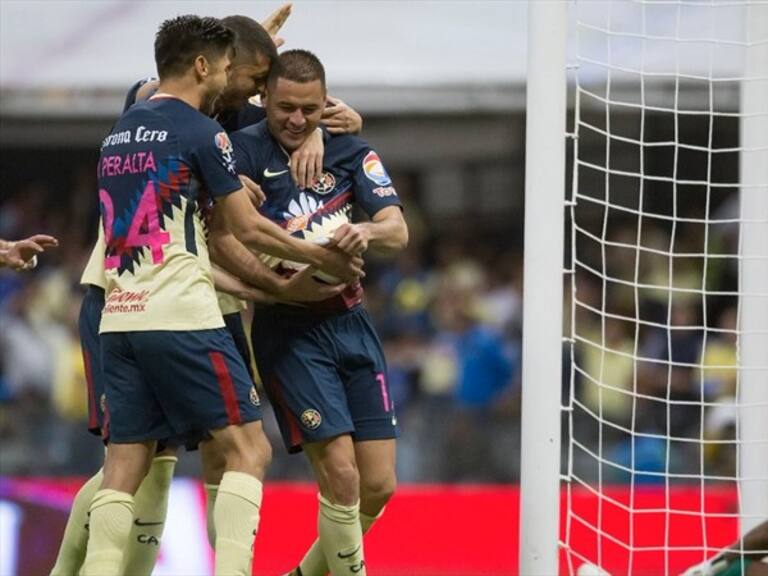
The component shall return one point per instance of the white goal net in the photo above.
(666, 453)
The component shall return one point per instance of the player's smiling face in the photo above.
(294, 110)
(245, 81)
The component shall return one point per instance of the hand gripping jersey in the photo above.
(352, 175)
(158, 171)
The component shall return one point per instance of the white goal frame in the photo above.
(545, 206)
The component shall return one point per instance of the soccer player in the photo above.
(254, 53)
(21, 255)
(322, 365)
(170, 368)
(747, 557)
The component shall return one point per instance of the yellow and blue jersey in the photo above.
(159, 169)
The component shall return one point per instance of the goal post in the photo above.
(665, 267)
(543, 287)
(753, 272)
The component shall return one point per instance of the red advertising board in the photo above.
(428, 530)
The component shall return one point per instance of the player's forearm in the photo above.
(230, 254)
(387, 236)
(229, 284)
(266, 236)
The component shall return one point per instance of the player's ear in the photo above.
(202, 67)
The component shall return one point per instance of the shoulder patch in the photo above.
(224, 145)
(374, 169)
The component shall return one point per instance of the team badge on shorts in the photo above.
(324, 184)
(103, 402)
(311, 419)
(254, 397)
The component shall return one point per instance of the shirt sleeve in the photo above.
(243, 158)
(373, 187)
(214, 158)
(130, 98)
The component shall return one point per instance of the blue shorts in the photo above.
(325, 376)
(164, 384)
(88, 323)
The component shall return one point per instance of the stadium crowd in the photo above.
(449, 313)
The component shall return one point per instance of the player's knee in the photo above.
(379, 490)
(343, 479)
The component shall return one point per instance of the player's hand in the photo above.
(255, 193)
(275, 21)
(340, 118)
(307, 160)
(351, 238)
(346, 267)
(301, 287)
(22, 254)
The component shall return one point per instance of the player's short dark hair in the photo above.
(298, 66)
(251, 40)
(182, 39)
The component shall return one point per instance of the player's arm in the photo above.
(275, 21)
(22, 254)
(261, 235)
(229, 253)
(230, 284)
(386, 233)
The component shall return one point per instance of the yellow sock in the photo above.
(236, 516)
(150, 512)
(109, 529)
(211, 490)
(314, 562)
(341, 538)
(73, 544)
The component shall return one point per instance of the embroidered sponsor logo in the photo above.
(311, 419)
(325, 184)
(384, 191)
(374, 169)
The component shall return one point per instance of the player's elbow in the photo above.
(402, 237)
(398, 239)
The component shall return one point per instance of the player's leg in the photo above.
(214, 464)
(73, 544)
(338, 524)
(112, 508)
(210, 453)
(376, 466)
(72, 549)
(150, 511)
(202, 384)
(238, 502)
(296, 357)
(135, 421)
